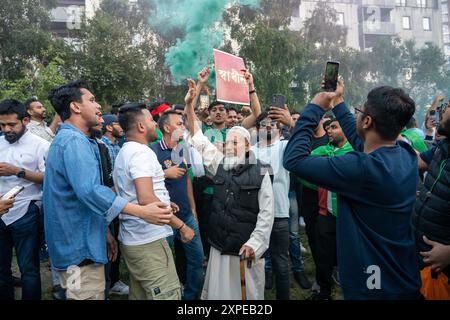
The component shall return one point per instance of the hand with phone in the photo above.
(6, 203)
(331, 76)
(328, 100)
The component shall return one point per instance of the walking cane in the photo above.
(242, 270)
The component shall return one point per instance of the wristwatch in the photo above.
(21, 173)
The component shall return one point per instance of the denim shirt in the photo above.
(77, 207)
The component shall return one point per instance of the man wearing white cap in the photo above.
(242, 212)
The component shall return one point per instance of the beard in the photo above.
(231, 162)
(95, 133)
(14, 137)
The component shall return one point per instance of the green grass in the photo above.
(296, 292)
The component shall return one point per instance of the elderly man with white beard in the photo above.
(242, 216)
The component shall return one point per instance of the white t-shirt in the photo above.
(273, 155)
(28, 153)
(136, 160)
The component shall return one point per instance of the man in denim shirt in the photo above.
(78, 207)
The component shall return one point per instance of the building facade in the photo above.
(66, 18)
(369, 20)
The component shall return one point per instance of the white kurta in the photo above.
(222, 281)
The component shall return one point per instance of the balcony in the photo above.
(379, 28)
(379, 3)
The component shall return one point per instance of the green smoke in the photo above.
(200, 22)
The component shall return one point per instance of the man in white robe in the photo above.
(223, 280)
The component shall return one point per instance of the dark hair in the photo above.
(260, 118)
(411, 123)
(63, 96)
(328, 122)
(232, 109)
(116, 106)
(178, 107)
(128, 113)
(29, 101)
(165, 119)
(11, 106)
(295, 112)
(391, 109)
(215, 104)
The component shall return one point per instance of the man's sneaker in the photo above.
(269, 281)
(302, 280)
(58, 293)
(119, 288)
(335, 276)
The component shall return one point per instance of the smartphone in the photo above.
(435, 115)
(278, 101)
(331, 76)
(12, 193)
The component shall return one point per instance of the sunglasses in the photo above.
(272, 123)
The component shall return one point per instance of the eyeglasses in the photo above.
(358, 110)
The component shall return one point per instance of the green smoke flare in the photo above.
(200, 21)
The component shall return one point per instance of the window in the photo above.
(340, 19)
(422, 3)
(400, 3)
(406, 22)
(426, 22)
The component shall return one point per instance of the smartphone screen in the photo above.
(331, 76)
(278, 101)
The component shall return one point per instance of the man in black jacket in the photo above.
(431, 218)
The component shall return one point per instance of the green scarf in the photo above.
(416, 141)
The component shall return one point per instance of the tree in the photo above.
(119, 54)
(270, 49)
(24, 35)
(38, 82)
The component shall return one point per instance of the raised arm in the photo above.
(344, 174)
(211, 156)
(250, 121)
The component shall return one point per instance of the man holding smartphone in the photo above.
(22, 163)
(375, 242)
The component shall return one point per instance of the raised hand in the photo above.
(203, 75)
(281, 115)
(190, 95)
(249, 78)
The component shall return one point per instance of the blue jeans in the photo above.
(278, 248)
(23, 235)
(194, 260)
(294, 239)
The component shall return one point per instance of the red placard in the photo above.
(231, 86)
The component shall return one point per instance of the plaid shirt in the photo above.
(113, 150)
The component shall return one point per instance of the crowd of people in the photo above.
(174, 189)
